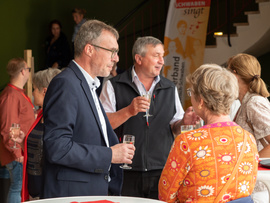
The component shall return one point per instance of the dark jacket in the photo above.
(152, 142)
(77, 159)
(58, 52)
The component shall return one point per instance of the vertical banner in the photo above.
(184, 41)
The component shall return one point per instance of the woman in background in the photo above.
(254, 112)
(219, 161)
(57, 47)
(32, 143)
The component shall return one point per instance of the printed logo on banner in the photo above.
(184, 42)
(190, 3)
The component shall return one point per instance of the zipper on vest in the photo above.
(145, 146)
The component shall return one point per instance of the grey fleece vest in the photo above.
(152, 142)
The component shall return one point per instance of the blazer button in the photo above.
(106, 177)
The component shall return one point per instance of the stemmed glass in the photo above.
(147, 95)
(186, 128)
(15, 132)
(128, 139)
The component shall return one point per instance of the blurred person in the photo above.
(125, 106)
(210, 164)
(78, 17)
(32, 143)
(15, 107)
(254, 112)
(57, 47)
(82, 153)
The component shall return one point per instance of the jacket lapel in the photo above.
(88, 94)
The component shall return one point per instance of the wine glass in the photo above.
(128, 139)
(198, 125)
(15, 132)
(147, 95)
(186, 128)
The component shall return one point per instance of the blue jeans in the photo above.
(15, 171)
(243, 200)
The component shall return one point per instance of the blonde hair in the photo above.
(249, 70)
(216, 86)
(43, 78)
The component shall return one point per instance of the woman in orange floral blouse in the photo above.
(201, 161)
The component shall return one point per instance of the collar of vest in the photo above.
(126, 78)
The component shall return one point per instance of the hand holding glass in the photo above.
(186, 128)
(15, 132)
(128, 139)
(147, 95)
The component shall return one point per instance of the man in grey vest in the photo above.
(125, 107)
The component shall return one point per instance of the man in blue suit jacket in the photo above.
(82, 153)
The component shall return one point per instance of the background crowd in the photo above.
(74, 147)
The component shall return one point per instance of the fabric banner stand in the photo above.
(184, 42)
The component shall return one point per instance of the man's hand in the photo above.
(20, 159)
(190, 117)
(122, 153)
(18, 139)
(138, 104)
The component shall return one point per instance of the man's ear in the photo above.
(23, 71)
(44, 90)
(88, 49)
(138, 59)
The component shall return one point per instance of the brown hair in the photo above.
(15, 66)
(249, 70)
(79, 11)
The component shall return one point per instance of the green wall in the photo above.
(24, 24)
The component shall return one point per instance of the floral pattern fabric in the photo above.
(201, 161)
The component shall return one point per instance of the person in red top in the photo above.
(15, 107)
(32, 142)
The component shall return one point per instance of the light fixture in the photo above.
(218, 33)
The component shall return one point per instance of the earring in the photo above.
(199, 107)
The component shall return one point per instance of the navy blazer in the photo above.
(77, 160)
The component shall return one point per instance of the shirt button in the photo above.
(106, 177)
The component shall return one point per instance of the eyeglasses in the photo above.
(28, 69)
(189, 92)
(114, 52)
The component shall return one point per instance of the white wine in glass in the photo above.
(128, 139)
(15, 132)
(147, 95)
(186, 128)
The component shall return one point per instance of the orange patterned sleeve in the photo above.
(175, 170)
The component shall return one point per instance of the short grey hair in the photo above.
(216, 86)
(42, 79)
(89, 33)
(140, 44)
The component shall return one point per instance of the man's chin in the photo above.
(105, 75)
